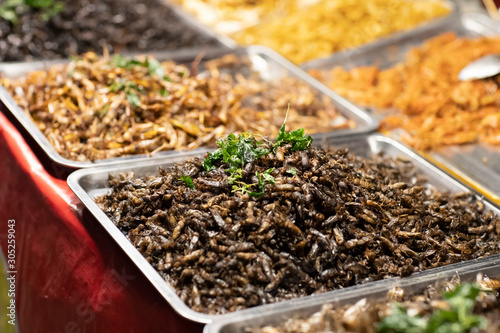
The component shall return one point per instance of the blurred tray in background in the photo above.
(477, 164)
(304, 30)
(268, 65)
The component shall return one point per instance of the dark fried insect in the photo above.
(88, 25)
(338, 220)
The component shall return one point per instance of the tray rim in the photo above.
(369, 124)
(75, 183)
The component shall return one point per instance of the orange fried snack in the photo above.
(429, 102)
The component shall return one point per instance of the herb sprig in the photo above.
(238, 151)
(187, 180)
(458, 318)
(297, 137)
(131, 91)
(10, 9)
(154, 66)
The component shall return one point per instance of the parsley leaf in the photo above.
(133, 98)
(235, 152)
(213, 158)
(9, 9)
(458, 318)
(263, 179)
(297, 137)
(130, 89)
(292, 171)
(400, 322)
(238, 151)
(235, 176)
(154, 67)
(122, 62)
(187, 180)
(268, 177)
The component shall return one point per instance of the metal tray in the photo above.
(264, 61)
(89, 183)
(239, 322)
(478, 165)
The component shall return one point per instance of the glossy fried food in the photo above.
(428, 100)
(366, 315)
(333, 25)
(98, 108)
(324, 220)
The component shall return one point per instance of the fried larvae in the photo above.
(329, 220)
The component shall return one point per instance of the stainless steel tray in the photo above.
(264, 61)
(239, 322)
(476, 164)
(89, 183)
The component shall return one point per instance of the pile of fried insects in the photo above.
(105, 107)
(260, 221)
(53, 29)
(453, 308)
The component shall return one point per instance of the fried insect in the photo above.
(90, 25)
(424, 95)
(98, 108)
(307, 32)
(342, 221)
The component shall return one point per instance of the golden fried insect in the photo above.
(332, 25)
(425, 96)
(99, 107)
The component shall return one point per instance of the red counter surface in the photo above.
(71, 276)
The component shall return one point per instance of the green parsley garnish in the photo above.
(131, 91)
(263, 179)
(153, 65)
(237, 151)
(9, 9)
(188, 181)
(457, 319)
(298, 138)
(292, 171)
(154, 68)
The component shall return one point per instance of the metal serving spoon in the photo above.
(482, 68)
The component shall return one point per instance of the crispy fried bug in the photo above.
(353, 220)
